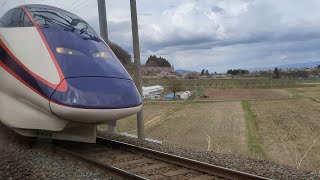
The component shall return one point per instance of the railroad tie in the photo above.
(177, 172)
(155, 166)
(133, 162)
(156, 177)
(203, 177)
(96, 153)
(103, 156)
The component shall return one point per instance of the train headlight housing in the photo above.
(102, 54)
(62, 50)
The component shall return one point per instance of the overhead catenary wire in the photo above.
(84, 6)
(79, 5)
(4, 3)
(71, 6)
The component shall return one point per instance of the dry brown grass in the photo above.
(288, 129)
(217, 127)
(153, 112)
(245, 94)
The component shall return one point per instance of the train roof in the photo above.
(42, 6)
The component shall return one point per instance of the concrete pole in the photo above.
(137, 64)
(104, 34)
(195, 83)
(103, 20)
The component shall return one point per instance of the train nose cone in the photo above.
(96, 98)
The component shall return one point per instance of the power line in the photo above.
(5, 2)
(85, 6)
(74, 2)
(75, 7)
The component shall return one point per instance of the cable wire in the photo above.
(74, 2)
(5, 2)
(79, 5)
(84, 6)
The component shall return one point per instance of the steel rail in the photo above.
(181, 161)
(112, 169)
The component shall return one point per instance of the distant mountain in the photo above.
(288, 66)
(182, 72)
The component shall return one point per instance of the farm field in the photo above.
(203, 126)
(306, 92)
(287, 129)
(153, 112)
(274, 124)
(238, 94)
(227, 83)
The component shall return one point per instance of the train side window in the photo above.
(16, 18)
(2, 53)
(26, 22)
(12, 18)
(6, 19)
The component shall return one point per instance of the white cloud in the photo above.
(212, 34)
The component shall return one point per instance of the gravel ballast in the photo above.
(25, 158)
(254, 166)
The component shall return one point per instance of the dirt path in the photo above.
(288, 128)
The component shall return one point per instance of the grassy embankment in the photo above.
(254, 142)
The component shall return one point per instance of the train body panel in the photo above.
(85, 60)
(58, 78)
(27, 46)
(22, 108)
(93, 115)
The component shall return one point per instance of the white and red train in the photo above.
(58, 78)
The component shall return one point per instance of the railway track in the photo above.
(133, 162)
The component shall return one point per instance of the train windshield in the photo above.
(59, 19)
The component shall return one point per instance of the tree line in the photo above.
(123, 55)
(204, 72)
(154, 61)
(237, 71)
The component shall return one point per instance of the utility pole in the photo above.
(195, 84)
(137, 64)
(103, 20)
(104, 34)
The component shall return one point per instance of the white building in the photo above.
(184, 95)
(147, 91)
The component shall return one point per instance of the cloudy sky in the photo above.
(213, 34)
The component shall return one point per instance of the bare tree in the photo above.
(276, 73)
(174, 85)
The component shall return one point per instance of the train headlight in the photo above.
(68, 51)
(102, 54)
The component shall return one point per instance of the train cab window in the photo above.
(59, 19)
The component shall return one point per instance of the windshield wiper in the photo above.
(83, 30)
(53, 13)
(55, 21)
